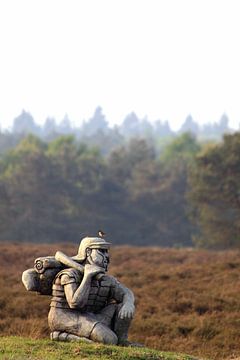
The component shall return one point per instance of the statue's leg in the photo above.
(121, 327)
(101, 333)
(109, 317)
(64, 336)
(107, 314)
(67, 325)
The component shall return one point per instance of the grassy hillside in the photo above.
(16, 348)
(187, 300)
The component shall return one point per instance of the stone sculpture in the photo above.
(87, 304)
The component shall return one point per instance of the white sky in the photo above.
(160, 58)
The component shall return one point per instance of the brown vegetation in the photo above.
(187, 300)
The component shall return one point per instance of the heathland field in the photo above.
(187, 300)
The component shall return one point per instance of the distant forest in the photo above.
(142, 184)
(97, 132)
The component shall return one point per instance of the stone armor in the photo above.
(103, 291)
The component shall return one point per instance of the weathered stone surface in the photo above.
(86, 301)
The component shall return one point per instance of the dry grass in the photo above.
(187, 300)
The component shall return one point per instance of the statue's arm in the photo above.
(77, 296)
(124, 296)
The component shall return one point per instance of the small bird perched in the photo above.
(101, 233)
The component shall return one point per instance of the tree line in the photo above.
(63, 189)
(96, 131)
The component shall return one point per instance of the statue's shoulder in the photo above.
(70, 275)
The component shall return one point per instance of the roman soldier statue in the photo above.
(87, 303)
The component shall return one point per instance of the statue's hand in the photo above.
(127, 311)
(92, 270)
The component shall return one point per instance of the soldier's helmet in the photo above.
(91, 243)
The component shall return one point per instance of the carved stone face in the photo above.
(99, 257)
